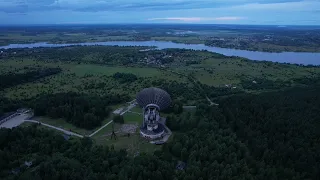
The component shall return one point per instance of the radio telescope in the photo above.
(153, 100)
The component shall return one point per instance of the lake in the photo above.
(284, 57)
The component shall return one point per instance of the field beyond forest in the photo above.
(253, 38)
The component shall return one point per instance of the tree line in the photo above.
(124, 77)
(11, 79)
(55, 157)
(84, 111)
(267, 136)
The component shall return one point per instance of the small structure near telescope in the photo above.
(153, 100)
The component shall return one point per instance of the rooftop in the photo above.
(154, 132)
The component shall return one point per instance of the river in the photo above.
(284, 57)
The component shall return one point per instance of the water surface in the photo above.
(284, 57)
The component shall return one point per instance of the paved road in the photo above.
(165, 137)
(100, 129)
(69, 132)
(133, 101)
(59, 129)
(211, 103)
(15, 121)
(128, 108)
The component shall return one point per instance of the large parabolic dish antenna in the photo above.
(154, 96)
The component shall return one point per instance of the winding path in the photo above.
(100, 128)
(128, 109)
(54, 127)
(132, 105)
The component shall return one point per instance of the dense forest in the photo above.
(267, 136)
(182, 91)
(82, 110)
(280, 41)
(55, 158)
(280, 129)
(272, 135)
(124, 77)
(93, 54)
(265, 84)
(12, 79)
(8, 105)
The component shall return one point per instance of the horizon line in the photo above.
(149, 23)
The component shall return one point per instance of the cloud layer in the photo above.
(149, 11)
(196, 19)
(124, 5)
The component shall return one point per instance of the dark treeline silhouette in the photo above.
(12, 79)
(280, 129)
(9, 105)
(85, 111)
(265, 84)
(287, 40)
(266, 136)
(260, 84)
(124, 77)
(92, 54)
(54, 157)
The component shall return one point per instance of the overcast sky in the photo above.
(278, 12)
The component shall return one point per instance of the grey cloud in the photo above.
(24, 6)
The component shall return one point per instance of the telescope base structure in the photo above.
(153, 134)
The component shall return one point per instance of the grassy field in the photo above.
(136, 109)
(133, 144)
(81, 78)
(61, 123)
(132, 118)
(219, 72)
(85, 78)
(20, 37)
